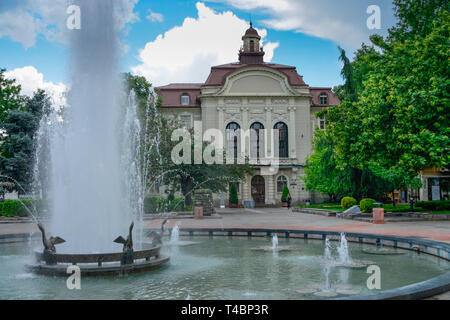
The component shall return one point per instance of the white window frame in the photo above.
(185, 95)
(326, 99)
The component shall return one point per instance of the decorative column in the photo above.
(292, 131)
(245, 129)
(270, 194)
(221, 124)
(246, 189)
(268, 132)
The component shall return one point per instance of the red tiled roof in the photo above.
(316, 92)
(171, 95)
(219, 74)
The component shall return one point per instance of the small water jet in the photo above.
(275, 247)
(345, 261)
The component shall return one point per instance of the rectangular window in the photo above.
(186, 121)
(322, 124)
(185, 100)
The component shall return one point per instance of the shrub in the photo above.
(434, 205)
(348, 202)
(233, 196)
(285, 193)
(156, 204)
(366, 205)
(13, 208)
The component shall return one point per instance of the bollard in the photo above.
(378, 215)
(198, 212)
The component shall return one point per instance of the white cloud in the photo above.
(186, 53)
(155, 17)
(27, 19)
(31, 80)
(341, 21)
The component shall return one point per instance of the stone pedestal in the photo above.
(378, 216)
(198, 212)
(204, 199)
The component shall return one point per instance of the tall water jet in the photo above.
(87, 180)
(344, 256)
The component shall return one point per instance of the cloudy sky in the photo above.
(179, 40)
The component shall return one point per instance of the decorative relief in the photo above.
(256, 101)
(279, 101)
(257, 111)
(280, 111)
(232, 101)
(232, 110)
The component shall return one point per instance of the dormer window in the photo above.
(185, 101)
(323, 98)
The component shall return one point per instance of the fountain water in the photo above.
(92, 148)
(344, 256)
(275, 242)
(175, 235)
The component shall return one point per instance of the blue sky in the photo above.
(179, 40)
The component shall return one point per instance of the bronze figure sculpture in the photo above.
(157, 236)
(49, 244)
(128, 256)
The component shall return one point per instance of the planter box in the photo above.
(233, 205)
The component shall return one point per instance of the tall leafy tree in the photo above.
(18, 148)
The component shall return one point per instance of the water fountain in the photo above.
(345, 261)
(275, 247)
(96, 186)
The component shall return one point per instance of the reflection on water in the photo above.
(219, 268)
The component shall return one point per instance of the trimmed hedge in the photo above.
(434, 205)
(366, 205)
(348, 202)
(16, 208)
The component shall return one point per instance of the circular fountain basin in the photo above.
(226, 268)
(99, 264)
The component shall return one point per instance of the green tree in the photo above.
(190, 177)
(285, 193)
(233, 195)
(18, 148)
(10, 96)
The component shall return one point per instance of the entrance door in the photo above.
(258, 190)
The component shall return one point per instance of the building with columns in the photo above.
(268, 102)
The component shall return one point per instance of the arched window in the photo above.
(256, 140)
(233, 138)
(252, 46)
(283, 144)
(323, 98)
(281, 182)
(185, 101)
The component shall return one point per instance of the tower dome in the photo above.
(251, 51)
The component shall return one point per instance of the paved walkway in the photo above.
(282, 218)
